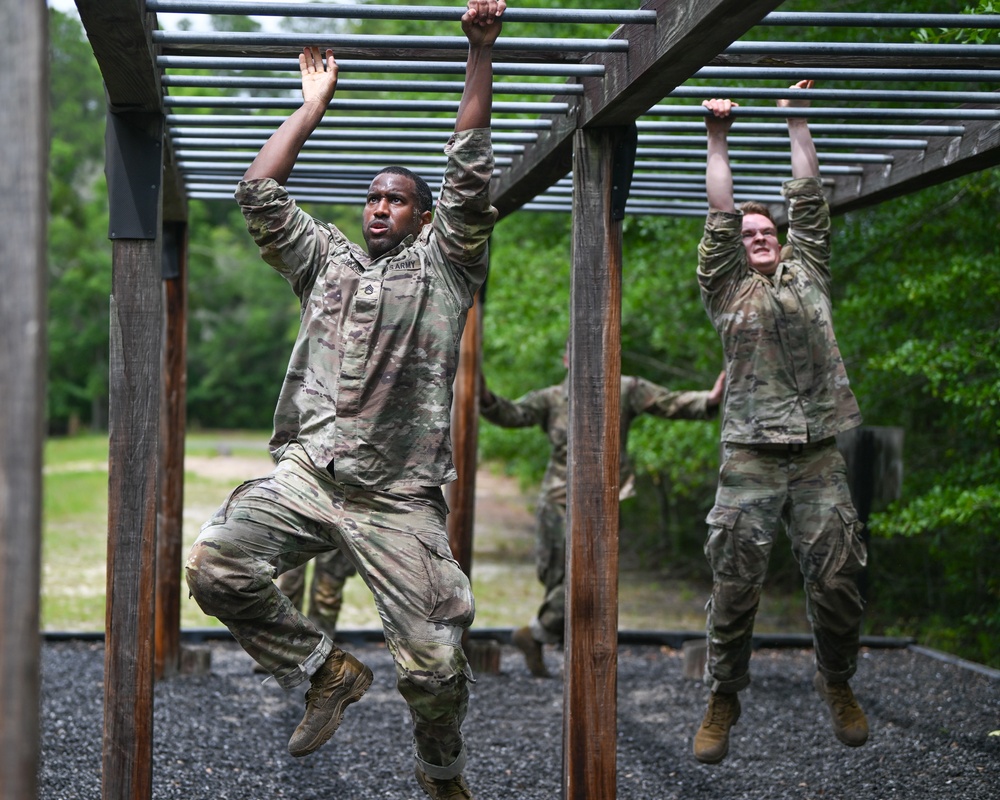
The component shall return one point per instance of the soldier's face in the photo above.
(760, 238)
(391, 213)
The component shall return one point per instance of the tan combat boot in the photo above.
(450, 789)
(849, 723)
(532, 649)
(711, 742)
(339, 682)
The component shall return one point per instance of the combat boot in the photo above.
(711, 742)
(532, 649)
(339, 682)
(849, 723)
(450, 789)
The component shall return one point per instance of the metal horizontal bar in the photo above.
(374, 104)
(255, 143)
(363, 65)
(335, 40)
(761, 155)
(231, 134)
(813, 112)
(183, 143)
(915, 51)
(273, 121)
(868, 95)
(313, 158)
(848, 74)
(609, 16)
(699, 166)
(833, 19)
(439, 87)
(780, 127)
(329, 172)
(785, 142)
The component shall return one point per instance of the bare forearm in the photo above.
(718, 174)
(476, 107)
(278, 155)
(805, 162)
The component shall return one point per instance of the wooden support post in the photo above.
(484, 656)
(170, 517)
(465, 440)
(23, 207)
(591, 681)
(134, 156)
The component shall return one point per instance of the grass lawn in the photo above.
(74, 546)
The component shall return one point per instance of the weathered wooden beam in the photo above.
(135, 151)
(687, 35)
(134, 382)
(170, 516)
(869, 61)
(944, 159)
(121, 38)
(465, 440)
(23, 204)
(589, 698)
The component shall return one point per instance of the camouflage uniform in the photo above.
(787, 396)
(326, 589)
(549, 409)
(362, 445)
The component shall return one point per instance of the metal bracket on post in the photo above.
(170, 262)
(622, 168)
(134, 170)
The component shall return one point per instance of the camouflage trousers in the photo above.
(759, 489)
(326, 589)
(398, 544)
(550, 565)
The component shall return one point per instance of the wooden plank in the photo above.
(944, 159)
(819, 60)
(465, 440)
(134, 380)
(170, 519)
(23, 163)
(687, 35)
(121, 37)
(589, 698)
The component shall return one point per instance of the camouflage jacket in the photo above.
(786, 380)
(549, 409)
(368, 389)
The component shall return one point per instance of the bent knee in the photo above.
(226, 582)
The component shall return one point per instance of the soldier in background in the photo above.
(788, 396)
(549, 409)
(362, 426)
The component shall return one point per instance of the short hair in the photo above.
(753, 207)
(425, 201)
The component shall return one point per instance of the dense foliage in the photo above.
(917, 313)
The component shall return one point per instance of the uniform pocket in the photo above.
(720, 547)
(855, 553)
(449, 590)
(223, 512)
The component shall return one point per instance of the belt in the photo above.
(792, 447)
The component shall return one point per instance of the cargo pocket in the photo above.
(720, 547)
(854, 555)
(448, 588)
(223, 512)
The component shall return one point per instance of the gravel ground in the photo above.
(222, 736)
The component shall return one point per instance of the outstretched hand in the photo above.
(796, 99)
(715, 393)
(481, 21)
(319, 80)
